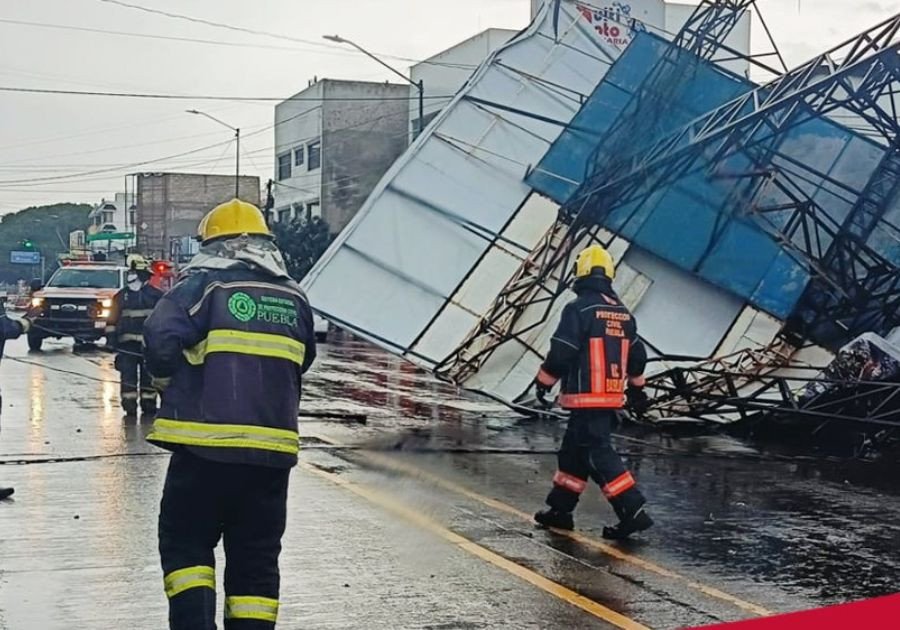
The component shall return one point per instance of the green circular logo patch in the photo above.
(242, 307)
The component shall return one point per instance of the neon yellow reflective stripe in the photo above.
(137, 312)
(245, 607)
(192, 577)
(131, 337)
(224, 435)
(241, 342)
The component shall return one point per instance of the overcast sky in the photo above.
(45, 136)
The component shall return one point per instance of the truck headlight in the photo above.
(104, 313)
(37, 301)
(106, 303)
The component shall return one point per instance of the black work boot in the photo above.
(637, 522)
(130, 406)
(555, 518)
(5, 493)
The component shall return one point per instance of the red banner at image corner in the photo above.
(869, 614)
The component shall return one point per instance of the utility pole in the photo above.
(270, 202)
(237, 163)
(419, 85)
(237, 153)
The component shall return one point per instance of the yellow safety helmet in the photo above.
(594, 257)
(201, 228)
(136, 262)
(233, 218)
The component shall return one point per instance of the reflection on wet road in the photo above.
(420, 517)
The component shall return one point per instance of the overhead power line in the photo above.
(192, 40)
(110, 170)
(87, 175)
(230, 27)
(242, 29)
(208, 97)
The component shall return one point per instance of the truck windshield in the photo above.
(85, 279)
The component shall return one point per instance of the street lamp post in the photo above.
(419, 85)
(237, 153)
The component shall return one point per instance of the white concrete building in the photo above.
(333, 142)
(114, 216)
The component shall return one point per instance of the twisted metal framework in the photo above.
(545, 274)
(853, 288)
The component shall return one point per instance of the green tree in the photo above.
(302, 242)
(47, 227)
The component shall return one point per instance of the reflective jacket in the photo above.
(235, 343)
(595, 349)
(130, 309)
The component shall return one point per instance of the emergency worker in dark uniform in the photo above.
(125, 334)
(10, 329)
(228, 347)
(600, 360)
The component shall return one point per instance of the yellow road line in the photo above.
(393, 464)
(533, 578)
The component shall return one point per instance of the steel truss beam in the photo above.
(864, 80)
(709, 393)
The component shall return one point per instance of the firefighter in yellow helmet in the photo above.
(125, 334)
(597, 355)
(228, 346)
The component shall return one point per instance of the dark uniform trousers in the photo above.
(135, 379)
(244, 505)
(587, 453)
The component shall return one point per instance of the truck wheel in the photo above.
(35, 342)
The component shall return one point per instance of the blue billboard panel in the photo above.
(716, 221)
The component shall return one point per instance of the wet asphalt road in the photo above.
(419, 518)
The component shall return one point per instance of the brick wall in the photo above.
(170, 205)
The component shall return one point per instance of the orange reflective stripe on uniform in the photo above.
(569, 482)
(619, 485)
(592, 401)
(191, 577)
(546, 378)
(638, 381)
(598, 366)
(249, 607)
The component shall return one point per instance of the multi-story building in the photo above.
(333, 142)
(109, 222)
(170, 205)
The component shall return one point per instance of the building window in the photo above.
(298, 156)
(284, 166)
(284, 215)
(314, 149)
(313, 209)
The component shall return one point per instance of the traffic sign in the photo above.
(110, 236)
(25, 258)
